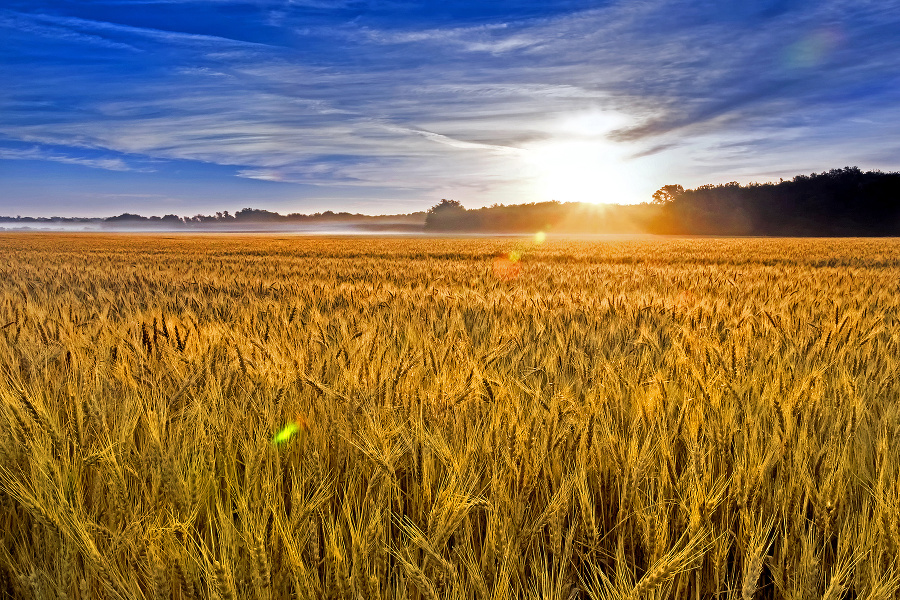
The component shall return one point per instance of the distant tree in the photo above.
(256, 214)
(444, 205)
(667, 193)
(446, 215)
(123, 217)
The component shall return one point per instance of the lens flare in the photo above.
(507, 267)
(285, 434)
(812, 49)
(288, 431)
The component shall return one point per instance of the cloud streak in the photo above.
(68, 28)
(109, 164)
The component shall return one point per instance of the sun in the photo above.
(585, 171)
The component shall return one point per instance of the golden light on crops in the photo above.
(445, 418)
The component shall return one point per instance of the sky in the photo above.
(388, 106)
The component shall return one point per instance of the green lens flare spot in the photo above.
(285, 434)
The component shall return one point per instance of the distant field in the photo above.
(299, 417)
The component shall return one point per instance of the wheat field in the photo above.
(298, 417)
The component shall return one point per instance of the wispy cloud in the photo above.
(28, 25)
(110, 164)
(91, 31)
(496, 38)
(455, 143)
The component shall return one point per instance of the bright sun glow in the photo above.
(586, 172)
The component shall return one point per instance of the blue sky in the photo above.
(166, 106)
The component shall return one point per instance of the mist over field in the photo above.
(839, 202)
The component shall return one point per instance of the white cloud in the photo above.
(73, 28)
(262, 174)
(110, 164)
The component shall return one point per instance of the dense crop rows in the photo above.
(600, 419)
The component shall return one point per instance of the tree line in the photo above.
(565, 217)
(255, 215)
(839, 202)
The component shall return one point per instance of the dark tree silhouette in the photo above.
(846, 202)
(448, 215)
(667, 193)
